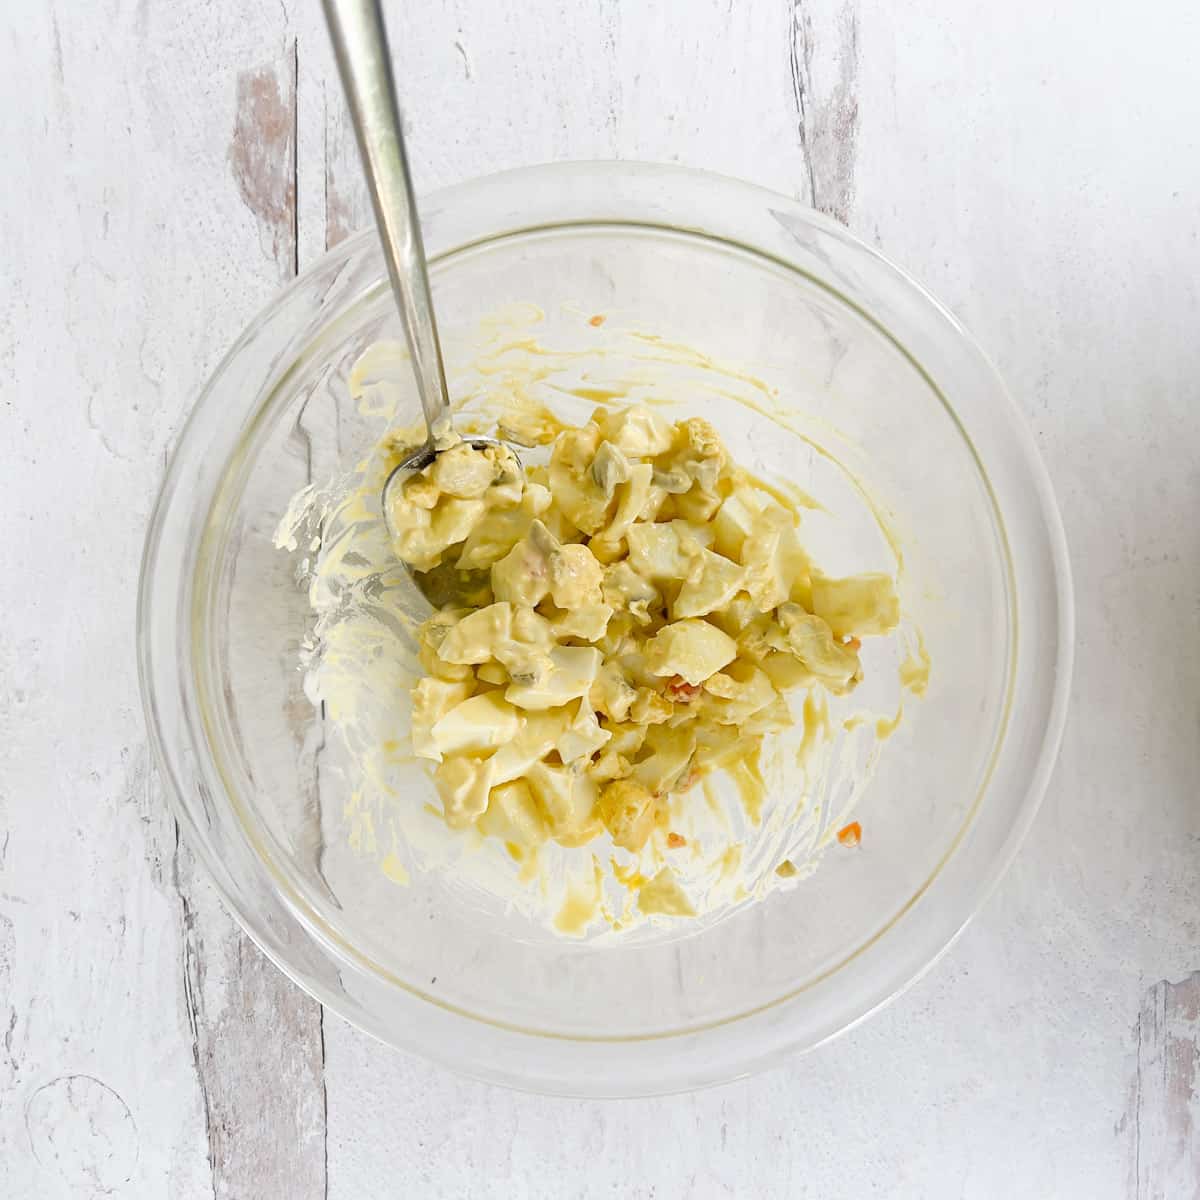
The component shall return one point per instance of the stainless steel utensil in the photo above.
(364, 62)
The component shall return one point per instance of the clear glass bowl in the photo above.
(750, 277)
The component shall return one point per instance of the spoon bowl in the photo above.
(416, 462)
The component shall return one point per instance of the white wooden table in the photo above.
(166, 166)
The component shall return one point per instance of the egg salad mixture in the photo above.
(636, 697)
(629, 618)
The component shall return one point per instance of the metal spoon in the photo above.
(364, 62)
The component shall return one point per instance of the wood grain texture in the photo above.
(257, 1041)
(148, 1048)
(1035, 165)
(824, 62)
(258, 1051)
(262, 152)
(1166, 1107)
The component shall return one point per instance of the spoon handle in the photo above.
(360, 44)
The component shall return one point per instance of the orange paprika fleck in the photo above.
(680, 691)
(597, 320)
(851, 835)
(675, 840)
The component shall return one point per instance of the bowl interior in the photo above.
(832, 403)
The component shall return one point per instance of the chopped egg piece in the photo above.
(463, 784)
(568, 797)
(433, 698)
(670, 754)
(627, 809)
(811, 640)
(471, 640)
(712, 583)
(531, 745)
(512, 815)
(734, 521)
(481, 723)
(856, 607)
(571, 675)
(587, 622)
(493, 538)
(583, 737)
(626, 591)
(638, 432)
(691, 648)
(575, 577)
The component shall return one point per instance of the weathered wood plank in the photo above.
(257, 1041)
(1165, 1106)
(262, 152)
(824, 62)
(133, 249)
